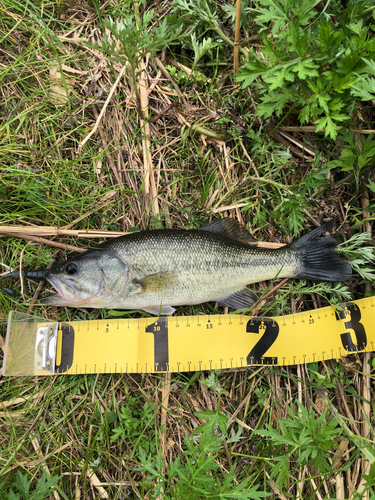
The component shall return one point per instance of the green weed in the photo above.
(196, 474)
(133, 423)
(136, 38)
(361, 258)
(313, 63)
(304, 438)
(352, 158)
(24, 490)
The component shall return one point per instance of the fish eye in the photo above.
(71, 268)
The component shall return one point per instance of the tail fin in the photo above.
(318, 259)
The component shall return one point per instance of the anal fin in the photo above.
(157, 310)
(239, 300)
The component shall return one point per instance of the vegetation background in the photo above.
(122, 116)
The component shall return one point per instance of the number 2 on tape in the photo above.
(270, 331)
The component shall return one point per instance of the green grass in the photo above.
(288, 424)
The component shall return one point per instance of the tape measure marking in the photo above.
(355, 325)
(67, 348)
(159, 329)
(270, 331)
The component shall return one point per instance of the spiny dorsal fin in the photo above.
(230, 228)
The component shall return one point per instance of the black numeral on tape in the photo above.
(346, 338)
(67, 348)
(270, 331)
(161, 351)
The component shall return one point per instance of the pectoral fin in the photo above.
(157, 310)
(155, 283)
(239, 300)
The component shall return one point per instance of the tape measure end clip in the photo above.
(46, 347)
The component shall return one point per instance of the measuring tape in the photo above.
(186, 343)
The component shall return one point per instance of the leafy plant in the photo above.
(361, 258)
(328, 378)
(182, 77)
(133, 37)
(289, 203)
(133, 422)
(195, 474)
(334, 293)
(291, 206)
(368, 486)
(200, 49)
(199, 17)
(303, 438)
(24, 490)
(352, 159)
(371, 186)
(365, 86)
(312, 61)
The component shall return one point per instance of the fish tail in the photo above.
(317, 257)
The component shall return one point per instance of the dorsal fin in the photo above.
(231, 228)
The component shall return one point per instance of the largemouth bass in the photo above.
(155, 270)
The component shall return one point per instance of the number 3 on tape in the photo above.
(351, 309)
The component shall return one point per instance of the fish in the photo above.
(154, 270)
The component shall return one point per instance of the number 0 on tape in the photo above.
(186, 343)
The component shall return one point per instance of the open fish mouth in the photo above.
(64, 289)
(67, 294)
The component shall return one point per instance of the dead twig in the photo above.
(111, 92)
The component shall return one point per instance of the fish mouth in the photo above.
(65, 291)
(71, 296)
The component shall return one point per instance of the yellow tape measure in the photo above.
(186, 343)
